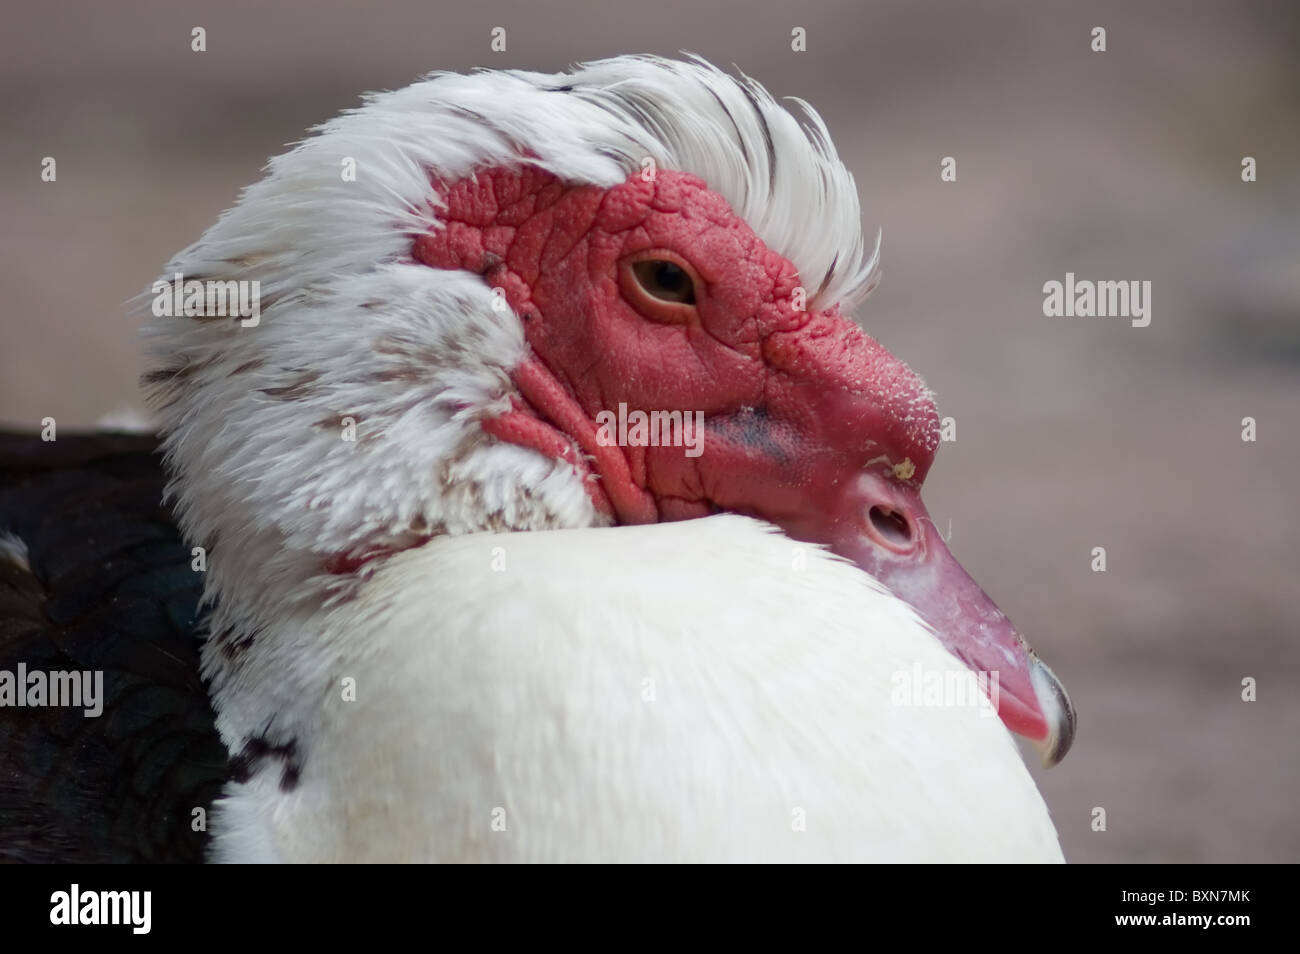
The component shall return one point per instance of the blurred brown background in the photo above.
(1071, 433)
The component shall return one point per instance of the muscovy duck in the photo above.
(452, 614)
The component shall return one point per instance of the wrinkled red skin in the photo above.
(793, 400)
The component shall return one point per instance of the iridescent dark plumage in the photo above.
(110, 587)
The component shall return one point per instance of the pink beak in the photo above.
(882, 526)
(867, 433)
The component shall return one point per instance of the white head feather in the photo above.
(353, 328)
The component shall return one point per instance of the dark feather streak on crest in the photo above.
(767, 135)
(830, 273)
(740, 139)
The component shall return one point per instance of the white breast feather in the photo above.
(520, 695)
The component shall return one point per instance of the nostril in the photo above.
(891, 525)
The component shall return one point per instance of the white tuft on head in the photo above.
(784, 179)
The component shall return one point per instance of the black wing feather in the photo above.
(110, 587)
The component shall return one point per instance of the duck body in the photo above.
(700, 691)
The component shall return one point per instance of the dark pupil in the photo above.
(669, 277)
(665, 280)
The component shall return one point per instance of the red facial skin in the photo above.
(809, 423)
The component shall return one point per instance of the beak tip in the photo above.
(1058, 711)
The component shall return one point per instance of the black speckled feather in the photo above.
(110, 587)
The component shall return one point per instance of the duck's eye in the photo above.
(665, 280)
(660, 285)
